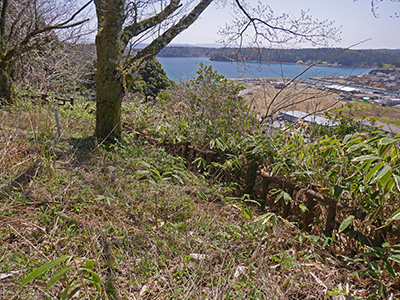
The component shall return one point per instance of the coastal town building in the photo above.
(296, 115)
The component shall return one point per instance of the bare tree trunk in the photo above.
(7, 95)
(3, 18)
(111, 41)
(109, 77)
(6, 85)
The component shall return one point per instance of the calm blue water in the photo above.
(183, 68)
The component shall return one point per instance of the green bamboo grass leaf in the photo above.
(279, 196)
(64, 294)
(372, 172)
(86, 269)
(336, 191)
(395, 249)
(328, 152)
(366, 157)
(355, 147)
(178, 178)
(394, 155)
(385, 245)
(364, 166)
(381, 173)
(377, 172)
(375, 267)
(383, 150)
(57, 276)
(303, 208)
(381, 251)
(39, 271)
(95, 278)
(371, 254)
(394, 257)
(287, 198)
(389, 186)
(395, 216)
(96, 282)
(388, 267)
(397, 181)
(384, 180)
(74, 291)
(347, 138)
(387, 141)
(89, 264)
(372, 140)
(380, 290)
(276, 168)
(346, 223)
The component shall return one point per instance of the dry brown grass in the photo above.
(269, 100)
(149, 239)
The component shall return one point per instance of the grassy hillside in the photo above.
(387, 115)
(84, 220)
(152, 228)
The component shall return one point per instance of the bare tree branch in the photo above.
(24, 46)
(159, 43)
(137, 28)
(260, 23)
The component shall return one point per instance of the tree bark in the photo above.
(3, 19)
(111, 41)
(7, 95)
(109, 77)
(6, 86)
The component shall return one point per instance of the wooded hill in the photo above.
(339, 56)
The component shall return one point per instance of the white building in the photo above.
(393, 101)
(294, 115)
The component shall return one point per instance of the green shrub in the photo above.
(152, 79)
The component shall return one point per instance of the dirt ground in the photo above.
(266, 101)
(359, 109)
(387, 118)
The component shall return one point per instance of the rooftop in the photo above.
(293, 115)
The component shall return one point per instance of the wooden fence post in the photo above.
(185, 148)
(379, 238)
(251, 177)
(287, 206)
(330, 221)
(309, 215)
(264, 192)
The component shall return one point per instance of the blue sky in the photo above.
(355, 18)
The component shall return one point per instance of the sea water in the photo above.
(184, 68)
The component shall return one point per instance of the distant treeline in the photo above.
(174, 51)
(347, 58)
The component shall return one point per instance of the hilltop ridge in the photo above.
(348, 58)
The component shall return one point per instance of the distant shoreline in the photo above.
(346, 58)
(183, 68)
(286, 63)
(269, 62)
